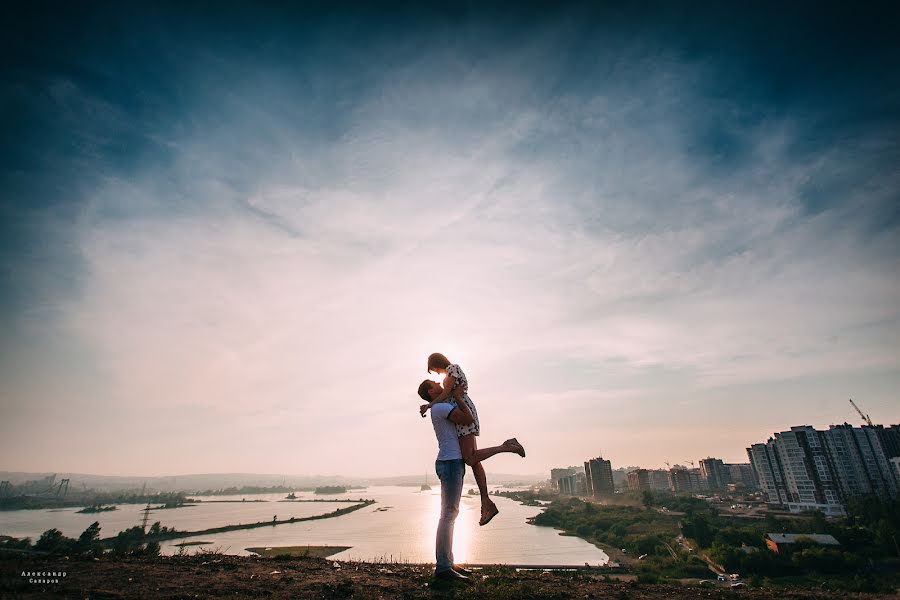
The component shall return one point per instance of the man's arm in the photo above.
(448, 389)
(458, 415)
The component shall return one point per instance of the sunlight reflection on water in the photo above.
(399, 527)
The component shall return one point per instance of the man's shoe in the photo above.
(451, 575)
(462, 571)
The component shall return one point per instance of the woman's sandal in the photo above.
(487, 516)
(517, 447)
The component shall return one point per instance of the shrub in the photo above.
(54, 541)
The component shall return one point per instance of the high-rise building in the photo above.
(768, 472)
(620, 476)
(598, 477)
(795, 472)
(860, 463)
(659, 479)
(890, 439)
(719, 475)
(715, 473)
(558, 473)
(805, 469)
(684, 480)
(572, 485)
(741, 475)
(639, 480)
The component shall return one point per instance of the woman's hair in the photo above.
(437, 361)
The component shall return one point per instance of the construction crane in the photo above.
(864, 416)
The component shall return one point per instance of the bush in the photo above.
(16, 544)
(649, 578)
(130, 541)
(825, 561)
(54, 542)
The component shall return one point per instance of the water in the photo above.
(405, 532)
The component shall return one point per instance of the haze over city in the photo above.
(229, 241)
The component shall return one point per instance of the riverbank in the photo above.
(298, 551)
(221, 576)
(174, 534)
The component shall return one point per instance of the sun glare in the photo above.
(462, 532)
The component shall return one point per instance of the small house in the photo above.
(784, 542)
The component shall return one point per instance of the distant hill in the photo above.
(207, 481)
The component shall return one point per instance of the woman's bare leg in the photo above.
(469, 447)
(511, 445)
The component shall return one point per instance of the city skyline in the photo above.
(230, 238)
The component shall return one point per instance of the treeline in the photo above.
(529, 498)
(251, 489)
(130, 542)
(639, 532)
(89, 498)
(867, 559)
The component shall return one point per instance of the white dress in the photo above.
(460, 379)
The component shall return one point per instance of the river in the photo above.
(399, 527)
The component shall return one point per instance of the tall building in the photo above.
(715, 473)
(684, 480)
(659, 479)
(620, 476)
(639, 480)
(861, 465)
(741, 475)
(558, 473)
(890, 439)
(598, 477)
(768, 472)
(805, 469)
(719, 475)
(572, 485)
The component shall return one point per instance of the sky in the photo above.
(230, 235)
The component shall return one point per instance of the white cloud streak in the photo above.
(575, 257)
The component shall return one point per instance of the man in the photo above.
(450, 468)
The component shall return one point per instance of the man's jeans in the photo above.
(451, 473)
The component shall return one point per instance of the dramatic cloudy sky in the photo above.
(230, 236)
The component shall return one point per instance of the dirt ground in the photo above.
(218, 576)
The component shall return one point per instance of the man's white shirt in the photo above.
(445, 431)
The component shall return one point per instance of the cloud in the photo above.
(280, 243)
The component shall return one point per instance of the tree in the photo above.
(697, 526)
(129, 541)
(647, 499)
(89, 541)
(53, 541)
